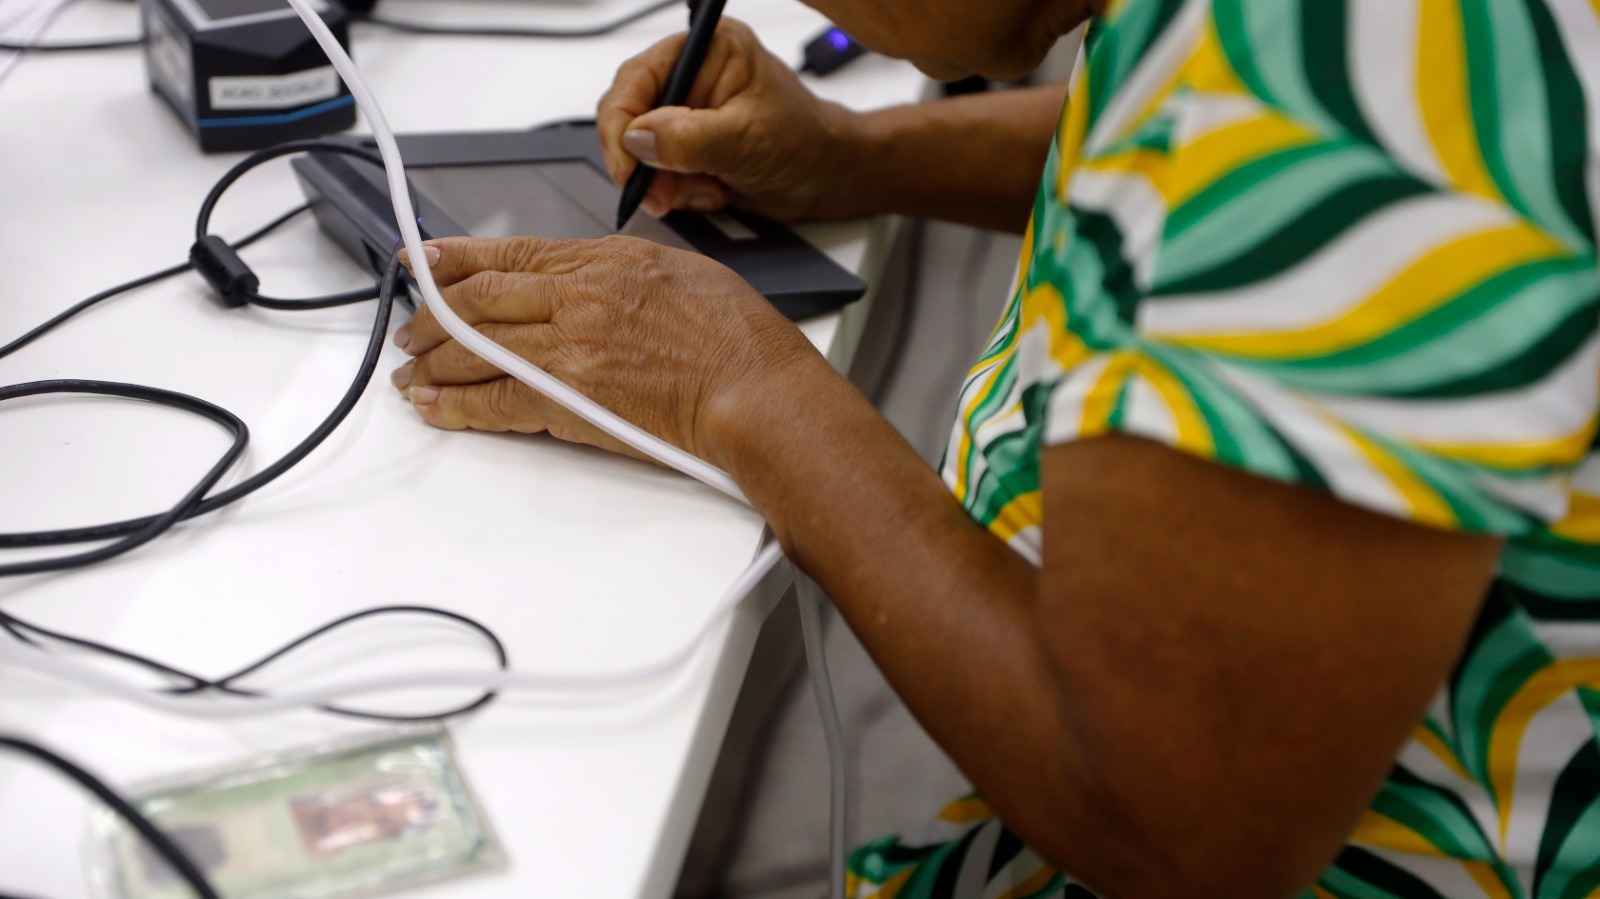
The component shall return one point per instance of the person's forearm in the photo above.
(975, 160)
(945, 609)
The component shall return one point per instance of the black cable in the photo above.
(288, 460)
(410, 26)
(196, 684)
(407, 26)
(342, 410)
(243, 167)
(198, 506)
(137, 283)
(162, 843)
(248, 292)
(158, 524)
(134, 533)
(359, 295)
(192, 504)
(121, 43)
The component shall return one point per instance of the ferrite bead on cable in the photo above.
(232, 281)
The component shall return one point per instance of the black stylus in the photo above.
(703, 18)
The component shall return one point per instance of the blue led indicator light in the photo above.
(838, 39)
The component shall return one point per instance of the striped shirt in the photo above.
(1349, 245)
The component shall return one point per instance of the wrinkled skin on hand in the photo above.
(751, 135)
(669, 340)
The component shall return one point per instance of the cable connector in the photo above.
(232, 281)
(831, 51)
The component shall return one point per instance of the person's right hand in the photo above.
(752, 135)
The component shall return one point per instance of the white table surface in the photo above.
(579, 560)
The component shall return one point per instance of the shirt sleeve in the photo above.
(1282, 292)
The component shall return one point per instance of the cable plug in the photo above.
(231, 280)
(830, 51)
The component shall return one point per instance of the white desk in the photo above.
(579, 560)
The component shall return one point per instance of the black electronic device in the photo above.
(245, 74)
(550, 182)
(831, 51)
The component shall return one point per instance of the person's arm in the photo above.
(974, 160)
(754, 137)
(1196, 695)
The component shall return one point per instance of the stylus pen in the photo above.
(703, 18)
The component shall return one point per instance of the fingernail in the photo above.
(641, 144)
(401, 377)
(422, 396)
(429, 253)
(702, 202)
(402, 337)
(654, 207)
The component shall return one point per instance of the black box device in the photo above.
(245, 74)
(550, 182)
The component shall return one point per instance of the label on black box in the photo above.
(274, 91)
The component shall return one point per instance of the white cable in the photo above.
(811, 598)
(207, 706)
(492, 352)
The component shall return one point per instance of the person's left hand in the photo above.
(669, 340)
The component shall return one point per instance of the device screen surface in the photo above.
(548, 199)
(222, 10)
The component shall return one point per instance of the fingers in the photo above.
(679, 139)
(697, 193)
(504, 404)
(633, 92)
(507, 404)
(462, 257)
(451, 363)
(641, 80)
(488, 296)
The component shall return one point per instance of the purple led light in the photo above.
(838, 39)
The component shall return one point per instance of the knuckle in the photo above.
(482, 288)
(632, 67)
(613, 244)
(523, 253)
(500, 401)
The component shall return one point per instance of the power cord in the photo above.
(136, 283)
(218, 262)
(72, 46)
(236, 283)
(133, 533)
(30, 633)
(160, 842)
(155, 525)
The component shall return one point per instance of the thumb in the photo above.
(679, 139)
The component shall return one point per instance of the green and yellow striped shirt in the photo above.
(1346, 244)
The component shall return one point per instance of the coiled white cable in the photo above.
(208, 706)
